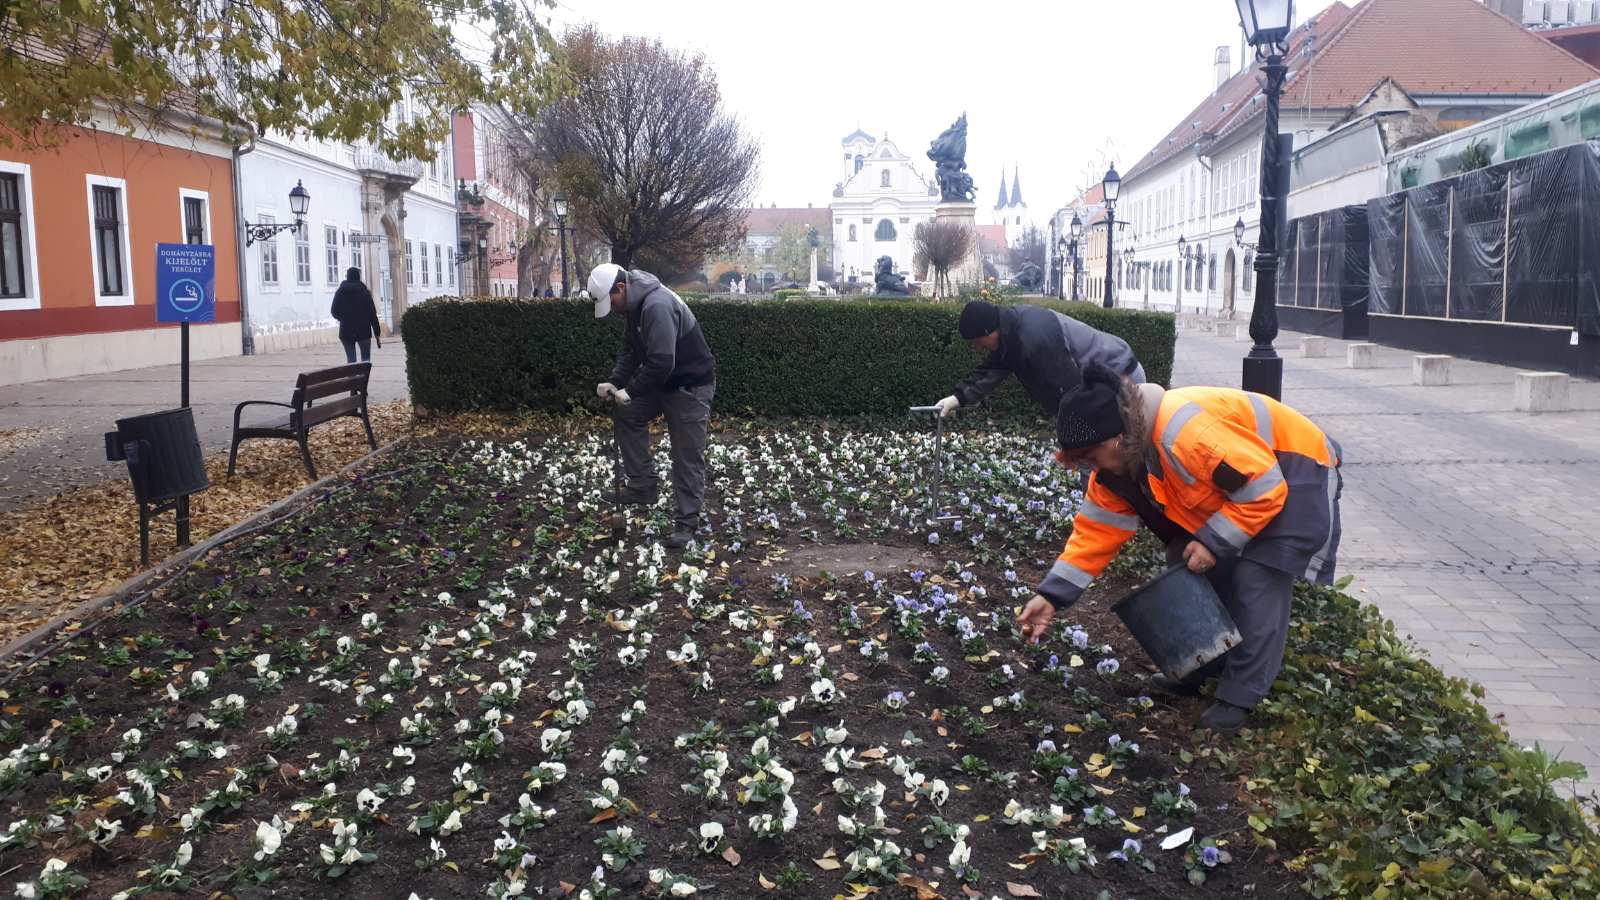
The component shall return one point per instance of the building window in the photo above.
(852, 232)
(885, 179)
(14, 268)
(196, 224)
(885, 231)
(330, 252)
(410, 278)
(269, 254)
(453, 265)
(108, 208)
(438, 264)
(424, 248)
(1212, 284)
(302, 256)
(1249, 272)
(859, 162)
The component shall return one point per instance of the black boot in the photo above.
(631, 497)
(1223, 717)
(1161, 681)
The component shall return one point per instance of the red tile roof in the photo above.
(991, 238)
(773, 219)
(1424, 46)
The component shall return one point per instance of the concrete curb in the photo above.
(155, 573)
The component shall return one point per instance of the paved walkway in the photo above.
(72, 414)
(1474, 528)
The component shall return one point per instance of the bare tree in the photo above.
(944, 245)
(641, 145)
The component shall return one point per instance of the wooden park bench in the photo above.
(346, 385)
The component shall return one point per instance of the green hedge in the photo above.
(826, 357)
(1376, 775)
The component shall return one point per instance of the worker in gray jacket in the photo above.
(1046, 350)
(665, 368)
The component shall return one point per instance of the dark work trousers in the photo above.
(688, 414)
(350, 349)
(1258, 598)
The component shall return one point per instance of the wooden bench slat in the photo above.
(329, 388)
(324, 412)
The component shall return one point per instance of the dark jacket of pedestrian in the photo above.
(663, 348)
(1046, 351)
(355, 309)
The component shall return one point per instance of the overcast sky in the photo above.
(1050, 86)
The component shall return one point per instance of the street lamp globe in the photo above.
(1112, 184)
(1265, 22)
(1077, 227)
(299, 199)
(1238, 231)
(1183, 247)
(559, 206)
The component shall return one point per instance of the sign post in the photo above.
(186, 281)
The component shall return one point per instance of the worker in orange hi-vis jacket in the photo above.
(1254, 483)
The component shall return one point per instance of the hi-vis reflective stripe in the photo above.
(1263, 417)
(1223, 527)
(1071, 574)
(1260, 487)
(1094, 512)
(1169, 437)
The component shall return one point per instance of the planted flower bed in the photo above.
(451, 679)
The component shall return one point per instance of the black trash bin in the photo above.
(165, 463)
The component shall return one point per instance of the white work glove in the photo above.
(947, 406)
(621, 396)
(604, 389)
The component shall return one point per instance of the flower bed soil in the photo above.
(467, 542)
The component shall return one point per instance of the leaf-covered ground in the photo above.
(452, 678)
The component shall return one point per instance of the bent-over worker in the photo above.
(1255, 485)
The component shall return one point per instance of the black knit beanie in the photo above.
(1089, 413)
(979, 318)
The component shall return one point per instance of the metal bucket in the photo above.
(1179, 621)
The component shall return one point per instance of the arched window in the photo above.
(885, 179)
(859, 161)
(1249, 272)
(1188, 275)
(885, 230)
(852, 232)
(1212, 284)
(1199, 273)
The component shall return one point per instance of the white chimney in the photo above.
(1224, 68)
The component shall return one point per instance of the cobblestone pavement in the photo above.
(53, 429)
(1474, 528)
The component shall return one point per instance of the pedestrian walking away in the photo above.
(1254, 485)
(1045, 350)
(357, 313)
(665, 368)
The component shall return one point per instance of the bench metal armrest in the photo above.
(240, 408)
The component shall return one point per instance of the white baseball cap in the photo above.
(601, 278)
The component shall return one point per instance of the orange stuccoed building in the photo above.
(80, 219)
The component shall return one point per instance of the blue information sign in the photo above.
(186, 281)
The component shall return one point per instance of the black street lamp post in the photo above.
(1112, 185)
(1266, 26)
(1077, 235)
(559, 207)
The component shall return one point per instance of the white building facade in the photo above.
(393, 219)
(877, 207)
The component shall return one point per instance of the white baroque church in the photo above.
(1010, 212)
(878, 203)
